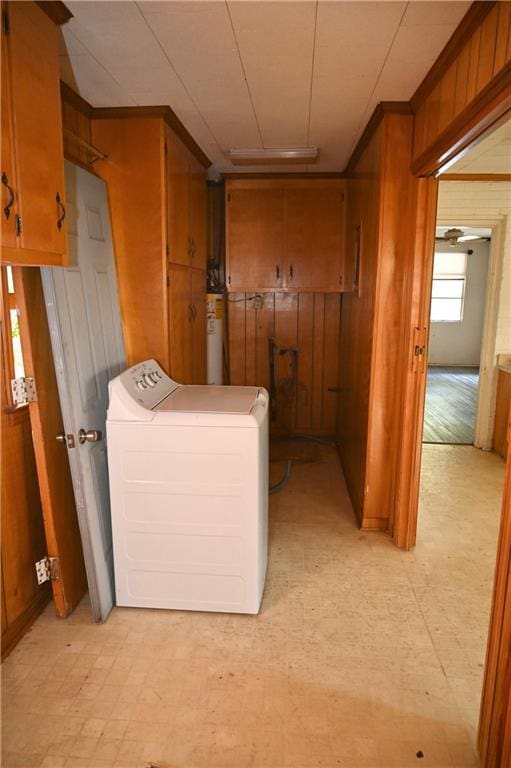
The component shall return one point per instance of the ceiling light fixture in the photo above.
(273, 156)
(456, 236)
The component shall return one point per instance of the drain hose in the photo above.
(283, 480)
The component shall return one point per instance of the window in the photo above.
(13, 354)
(448, 294)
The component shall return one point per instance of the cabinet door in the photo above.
(198, 214)
(199, 339)
(35, 93)
(9, 203)
(178, 200)
(180, 318)
(313, 240)
(255, 233)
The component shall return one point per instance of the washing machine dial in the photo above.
(141, 384)
(148, 380)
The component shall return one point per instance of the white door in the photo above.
(85, 325)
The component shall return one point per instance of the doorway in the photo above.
(466, 483)
(457, 315)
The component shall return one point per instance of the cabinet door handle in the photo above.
(277, 271)
(8, 206)
(291, 272)
(62, 212)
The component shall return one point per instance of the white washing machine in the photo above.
(188, 470)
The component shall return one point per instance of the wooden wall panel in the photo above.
(373, 321)
(134, 172)
(357, 320)
(306, 398)
(460, 85)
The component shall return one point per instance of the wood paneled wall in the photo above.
(134, 173)
(373, 318)
(309, 322)
(475, 62)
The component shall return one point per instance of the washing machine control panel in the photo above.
(147, 383)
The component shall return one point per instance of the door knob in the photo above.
(89, 436)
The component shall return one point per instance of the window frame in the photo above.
(445, 277)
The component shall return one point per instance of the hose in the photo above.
(283, 480)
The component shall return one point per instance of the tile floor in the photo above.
(361, 656)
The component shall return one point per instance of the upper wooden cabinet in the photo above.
(186, 204)
(285, 235)
(33, 205)
(255, 237)
(313, 242)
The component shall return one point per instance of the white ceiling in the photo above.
(259, 73)
(491, 155)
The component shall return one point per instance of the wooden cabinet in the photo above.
(33, 206)
(180, 316)
(160, 248)
(255, 236)
(187, 313)
(199, 326)
(313, 243)
(285, 234)
(186, 204)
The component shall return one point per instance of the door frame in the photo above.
(494, 735)
(487, 388)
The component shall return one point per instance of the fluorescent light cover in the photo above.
(269, 156)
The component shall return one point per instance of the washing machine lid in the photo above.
(210, 399)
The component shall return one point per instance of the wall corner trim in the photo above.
(383, 108)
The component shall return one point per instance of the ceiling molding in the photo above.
(383, 108)
(56, 11)
(121, 113)
(489, 106)
(475, 177)
(469, 23)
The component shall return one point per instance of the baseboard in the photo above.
(12, 634)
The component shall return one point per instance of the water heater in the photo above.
(215, 315)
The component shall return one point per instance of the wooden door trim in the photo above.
(494, 738)
(475, 177)
(404, 523)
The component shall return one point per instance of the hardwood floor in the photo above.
(451, 403)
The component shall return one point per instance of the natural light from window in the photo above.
(448, 293)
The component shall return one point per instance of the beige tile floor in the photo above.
(361, 656)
